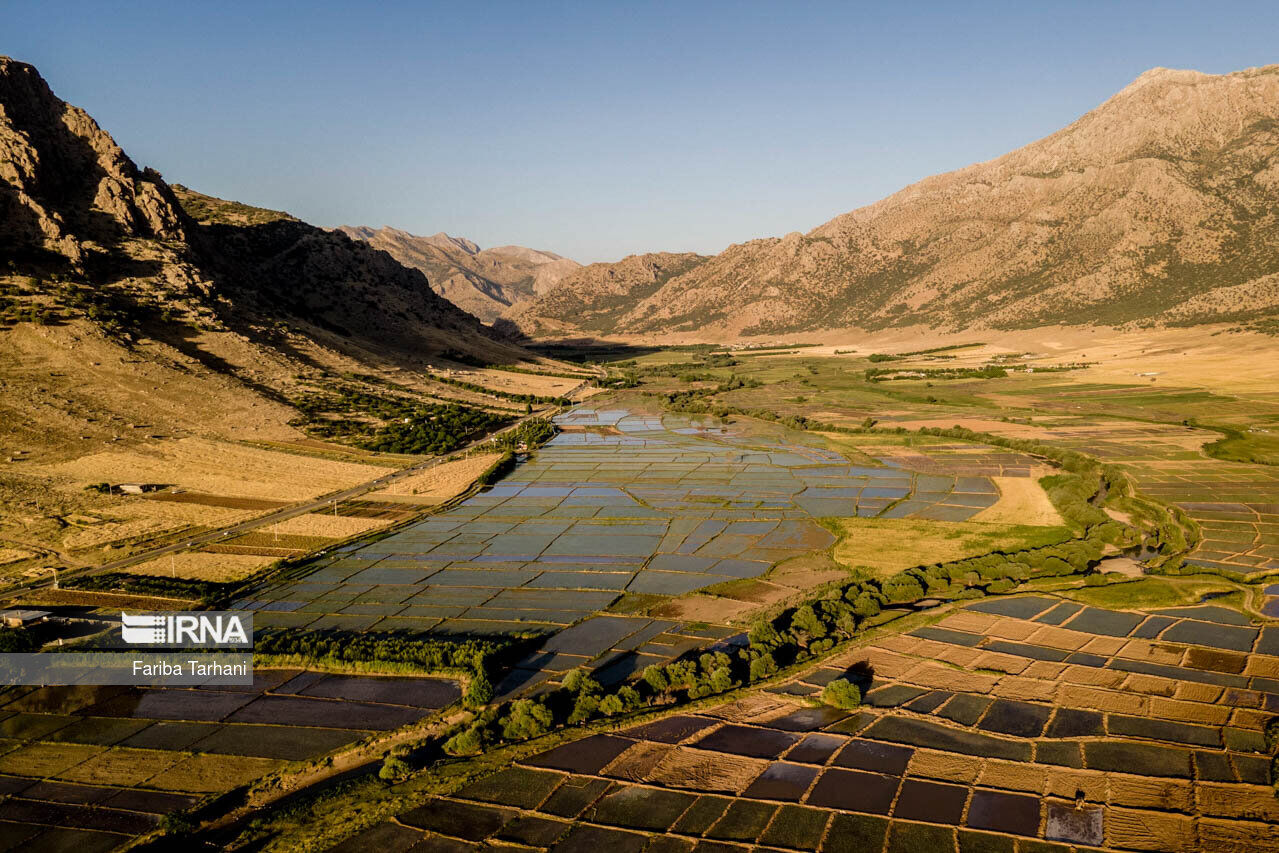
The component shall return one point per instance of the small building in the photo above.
(138, 488)
(23, 618)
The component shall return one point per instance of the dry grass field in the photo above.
(199, 565)
(217, 467)
(441, 482)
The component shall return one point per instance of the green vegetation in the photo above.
(879, 356)
(206, 592)
(17, 640)
(1153, 592)
(208, 209)
(402, 652)
(1258, 446)
(842, 693)
(395, 424)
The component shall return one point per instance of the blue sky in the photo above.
(597, 129)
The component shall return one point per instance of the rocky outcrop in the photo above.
(594, 297)
(65, 186)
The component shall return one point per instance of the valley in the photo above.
(950, 525)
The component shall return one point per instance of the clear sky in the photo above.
(599, 128)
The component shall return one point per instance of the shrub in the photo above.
(842, 693)
(526, 719)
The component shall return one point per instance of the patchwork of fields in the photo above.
(1020, 724)
(86, 768)
(630, 504)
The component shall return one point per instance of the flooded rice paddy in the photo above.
(616, 503)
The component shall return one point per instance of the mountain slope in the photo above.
(75, 207)
(595, 296)
(1160, 206)
(484, 282)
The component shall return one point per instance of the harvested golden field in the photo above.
(328, 526)
(46, 759)
(1021, 501)
(218, 467)
(202, 566)
(12, 555)
(893, 545)
(520, 383)
(122, 766)
(442, 482)
(93, 598)
(137, 517)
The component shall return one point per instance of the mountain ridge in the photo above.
(487, 283)
(1132, 214)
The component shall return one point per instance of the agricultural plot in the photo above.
(1018, 724)
(619, 503)
(1235, 505)
(88, 768)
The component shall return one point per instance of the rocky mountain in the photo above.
(1161, 206)
(488, 283)
(76, 209)
(595, 296)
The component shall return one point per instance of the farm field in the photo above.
(665, 523)
(624, 508)
(1024, 723)
(89, 768)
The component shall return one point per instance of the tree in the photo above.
(526, 719)
(466, 742)
(806, 624)
(584, 708)
(579, 681)
(394, 766)
(762, 667)
(480, 691)
(655, 679)
(842, 693)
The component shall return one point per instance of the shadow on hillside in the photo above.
(594, 349)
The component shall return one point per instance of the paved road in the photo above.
(321, 503)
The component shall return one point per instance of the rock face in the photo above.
(1159, 207)
(487, 283)
(64, 182)
(74, 207)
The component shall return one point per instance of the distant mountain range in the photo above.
(1160, 207)
(488, 283)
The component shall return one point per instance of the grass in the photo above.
(884, 546)
(46, 759)
(1157, 592)
(121, 766)
(213, 773)
(1256, 448)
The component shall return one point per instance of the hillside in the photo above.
(1157, 208)
(487, 283)
(152, 333)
